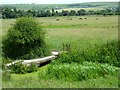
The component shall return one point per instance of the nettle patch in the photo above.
(78, 72)
(106, 53)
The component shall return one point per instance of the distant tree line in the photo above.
(14, 13)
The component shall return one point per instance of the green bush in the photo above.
(19, 68)
(107, 53)
(78, 72)
(5, 61)
(25, 40)
(32, 67)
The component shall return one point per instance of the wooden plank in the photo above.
(37, 61)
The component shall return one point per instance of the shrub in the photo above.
(25, 40)
(5, 61)
(107, 53)
(32, 67)
(78, 72)
(19, 68)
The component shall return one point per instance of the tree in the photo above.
(6, 12)
(56, 13)
(91, 12)
(65, 12)
(15, 10)
(48, 13)
(72, 13)
(41, 13)
(12, 14)
(53, 12)
(25, 40)
(81, 12)
(30, 13)
(103, 12)
(35, 13)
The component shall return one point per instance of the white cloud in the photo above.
(51, 1)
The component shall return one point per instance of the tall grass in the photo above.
(107, 53)
(78, 72)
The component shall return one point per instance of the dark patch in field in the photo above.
(96, 18)
(81, 18)
(57, 19)
(69, 18)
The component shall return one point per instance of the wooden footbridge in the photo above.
(36, 61)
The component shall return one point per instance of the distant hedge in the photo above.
(16, 13)
(25, 40)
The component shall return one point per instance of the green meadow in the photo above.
(89, 32)
(78, 33)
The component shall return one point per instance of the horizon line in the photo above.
(63, 3)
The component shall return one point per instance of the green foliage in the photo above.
(6, 75)
(32, 81)
(32, 68)
(45, 10)
(25, 40)
(19, 68)
(5, 61)
(119, 78)
(107, 53)
(72, 13)
(78, 72)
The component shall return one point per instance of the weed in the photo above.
(19, 68)
(107, 53)
(78, 72)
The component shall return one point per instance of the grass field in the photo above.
(31, 80)
(80, 34)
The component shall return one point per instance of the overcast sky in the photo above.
(50, 1)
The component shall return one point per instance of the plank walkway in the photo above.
(37, 61)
